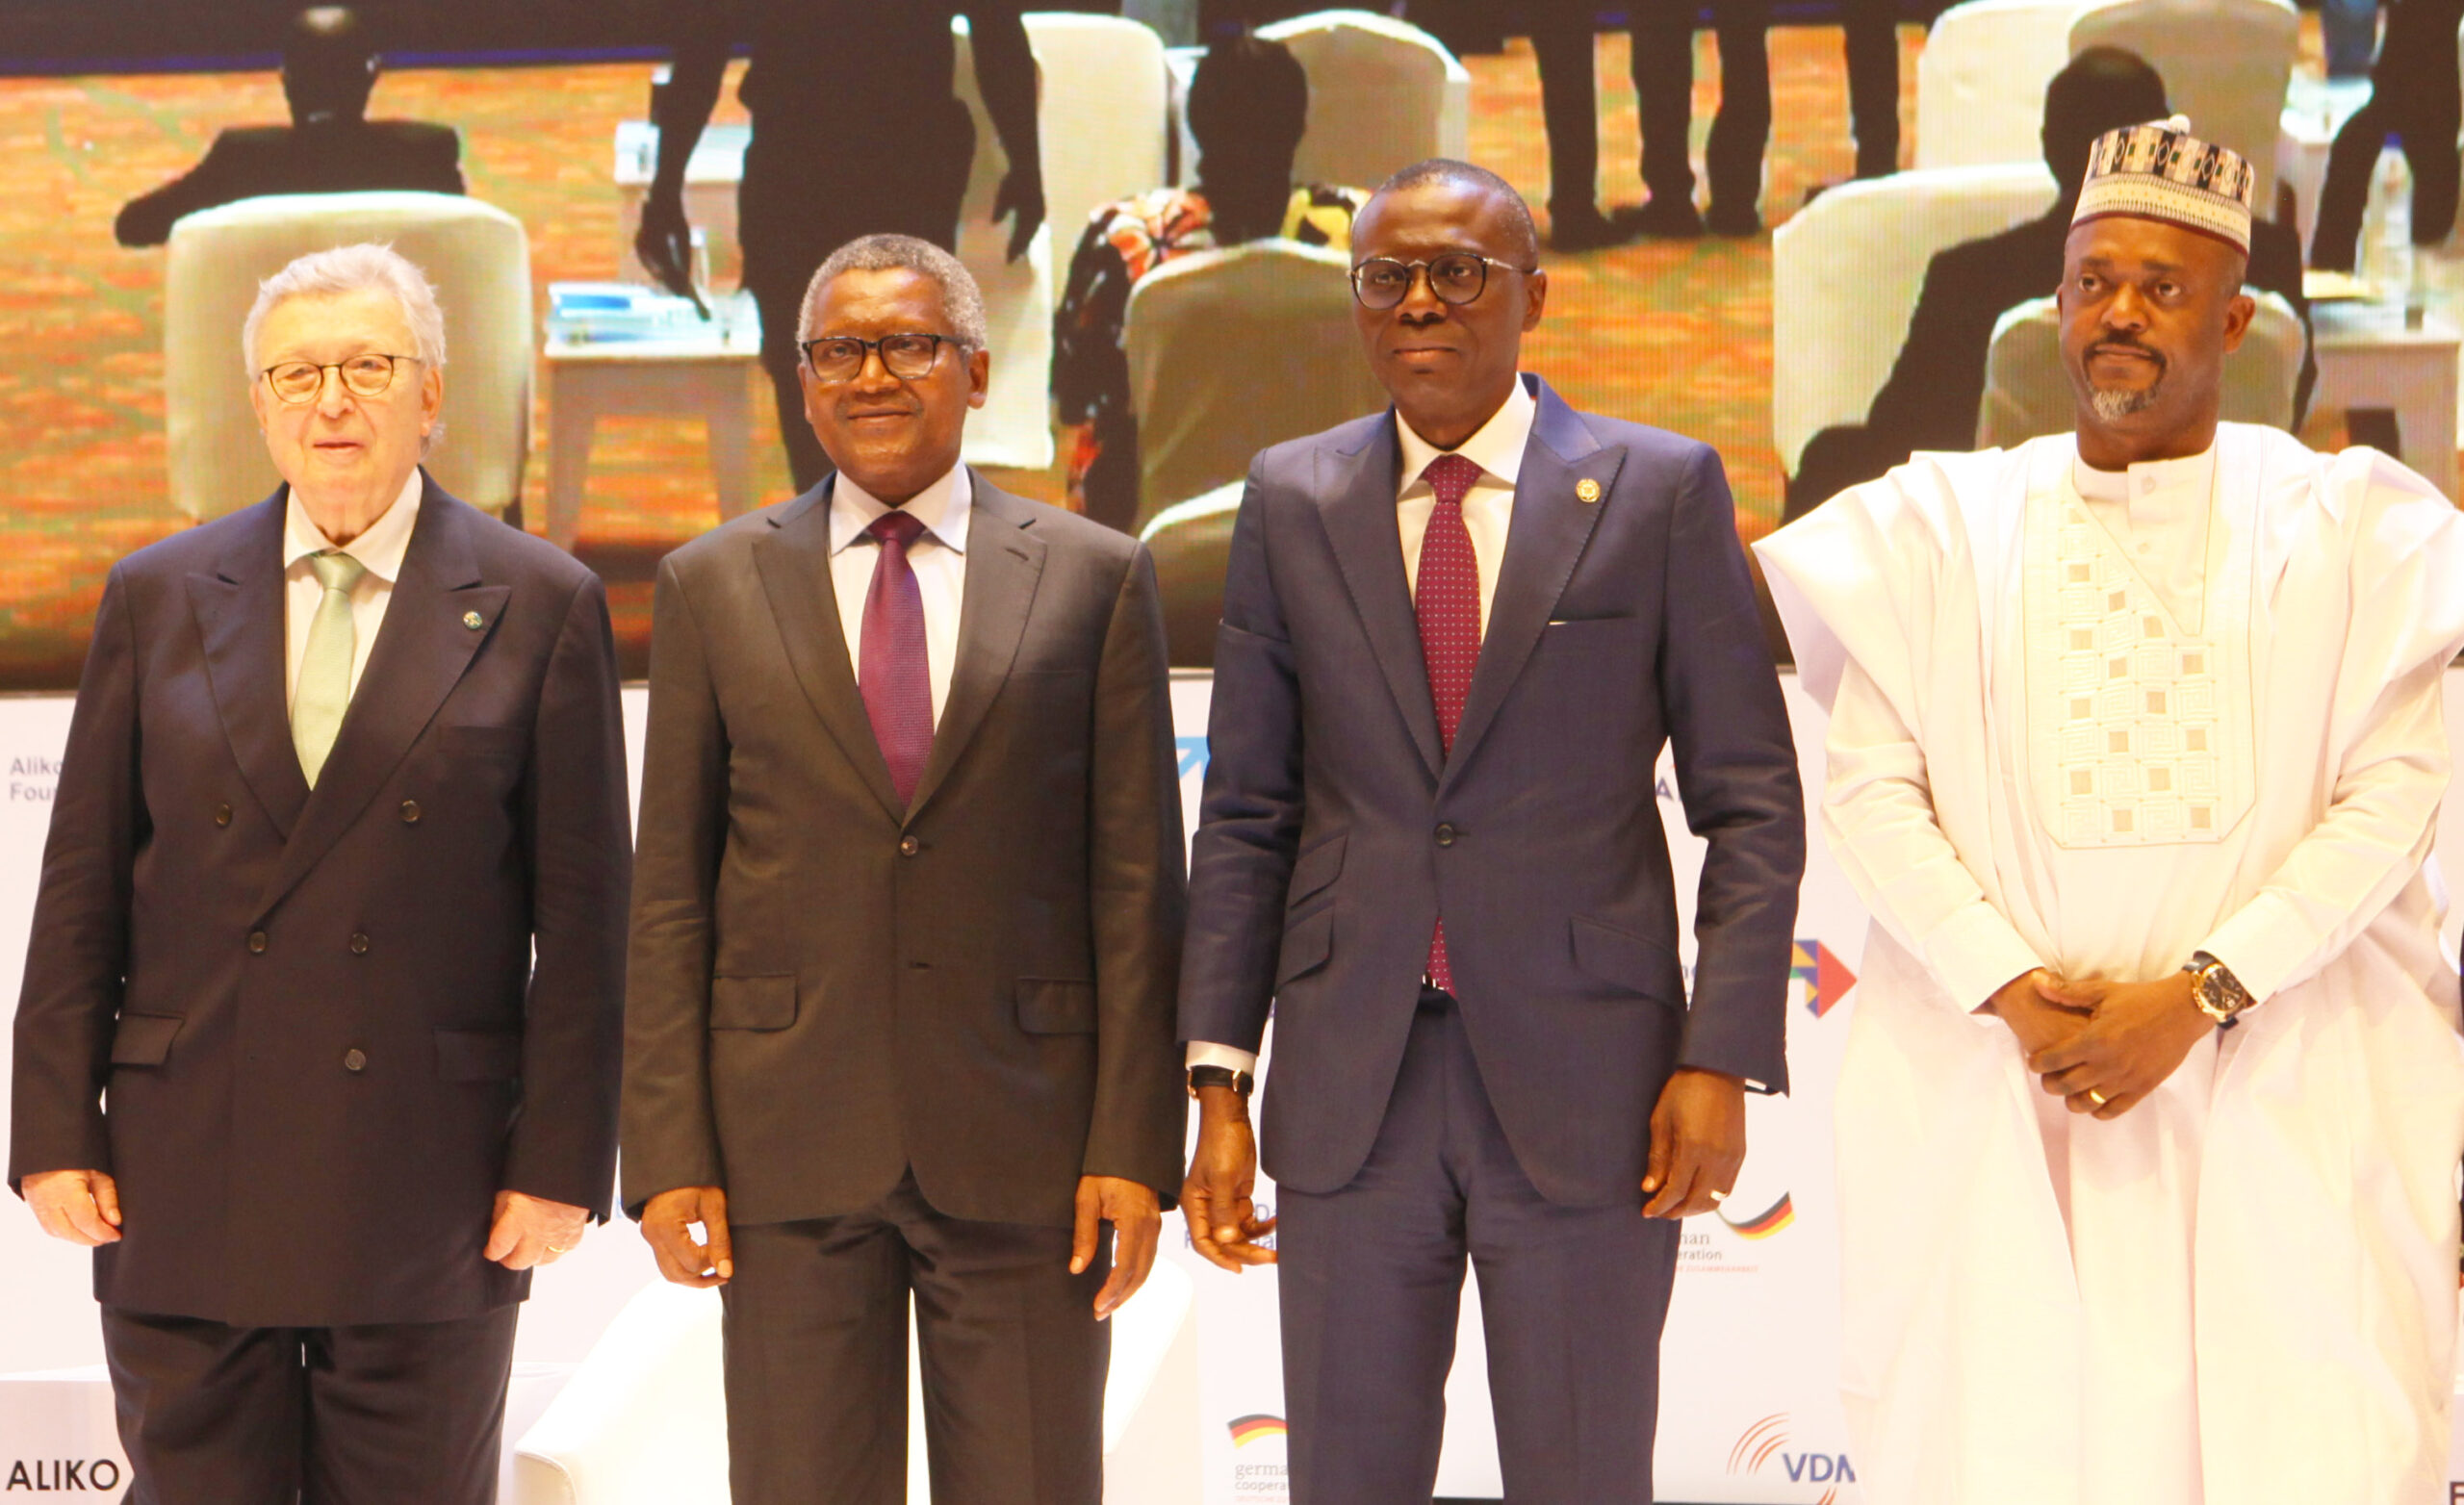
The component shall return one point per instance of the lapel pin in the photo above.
(1587, 489)
(473, 621)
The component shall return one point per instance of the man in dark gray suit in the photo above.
(319, 1034)
(908, 918)
(1455, 637)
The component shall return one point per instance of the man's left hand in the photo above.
(1022, 193)
(529, 1230)
(1698, 1142)
(2137, 1036)
(1136, 1218)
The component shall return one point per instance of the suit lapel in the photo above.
(1359, 518)
(421, 649)
(1550, 528)
(794, 565)
(1004, 562)
(240, 616)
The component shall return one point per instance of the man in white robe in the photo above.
(2150, 1115)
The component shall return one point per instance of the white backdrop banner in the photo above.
(1748, 1410)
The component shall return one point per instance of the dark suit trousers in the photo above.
(1572, 1303)
(398, 1414)
(1663, 69)
(1013, 1360)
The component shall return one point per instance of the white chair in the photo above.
(1383, 94)
(1101, 119)
(1233, 350)
(1191, 545)
(1845, 273)
(1981, 81)
(2225, 64)
(1014, 428)
(2027, 391)
(475, 253)
(644, 1420)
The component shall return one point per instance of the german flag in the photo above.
(1777, 1216)
(1249, 1429)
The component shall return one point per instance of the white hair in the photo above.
(342, 269)
(962, 300)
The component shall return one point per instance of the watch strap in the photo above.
(1240, 1082)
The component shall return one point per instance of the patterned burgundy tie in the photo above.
(1447, 599)
(891, 665)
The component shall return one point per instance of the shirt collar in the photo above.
(942, 507)
(1497, 447)
(380, 548)
(2150, 481)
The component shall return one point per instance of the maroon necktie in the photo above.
(1447, 599)
(890, 664)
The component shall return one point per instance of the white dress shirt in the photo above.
(380, 548)
(2158, 513)
(937, 556)
(1488, 510)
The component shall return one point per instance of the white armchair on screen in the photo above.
(1014, 426)
(2225, 64)
(1233, 350)
(2027, 392)
(1845, 274)
(1191, 543)
(1101, 118)
(1981, 81)
(475, 253)
(1383, 94)
(644, 1420)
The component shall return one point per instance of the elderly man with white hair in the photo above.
(317, 1042)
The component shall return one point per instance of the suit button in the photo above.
(257, 943)
(222, 815)
(909, 846)
(1446, 833)
(358, 945)
(410, 812)
(354, 1060)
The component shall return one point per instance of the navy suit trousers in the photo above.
(1572, 1303)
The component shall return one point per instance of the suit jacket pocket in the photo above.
(1636, 963)
(144, 1039)
(1050, 1006)
(477, 741)
(478, 1054)
(1306, 944)
(1317, 868)
(762, 1002)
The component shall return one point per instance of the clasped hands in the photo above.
(2101, 1047)
(1697, 1146)
(1135, 1213)
(83, 1207)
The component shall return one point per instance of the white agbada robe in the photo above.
(2245, 1289)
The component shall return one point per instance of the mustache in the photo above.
(2132, 346)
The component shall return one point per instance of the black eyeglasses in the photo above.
(298, 382)
(907, 357)
(1455, 277)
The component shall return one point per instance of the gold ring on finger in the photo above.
(2097, 1097)
(1719, 1196)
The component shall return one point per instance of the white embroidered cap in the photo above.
(2160, 171)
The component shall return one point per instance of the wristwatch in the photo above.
(2217, 992)
(1240, 1082)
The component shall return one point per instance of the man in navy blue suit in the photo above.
(1456, 636)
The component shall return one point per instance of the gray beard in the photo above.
(2116, 403)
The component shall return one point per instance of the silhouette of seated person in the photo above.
(1249, 105)
(330, 146)
(1931, 400)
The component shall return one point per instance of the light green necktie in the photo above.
(323, 692)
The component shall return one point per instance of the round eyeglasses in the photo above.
(298, 382)
(907, 357)
(1455, 277)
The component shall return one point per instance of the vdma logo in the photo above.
(1764, 1448)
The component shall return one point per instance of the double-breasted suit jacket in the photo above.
(1337, 829)
(827, 988)
(312, 1034)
